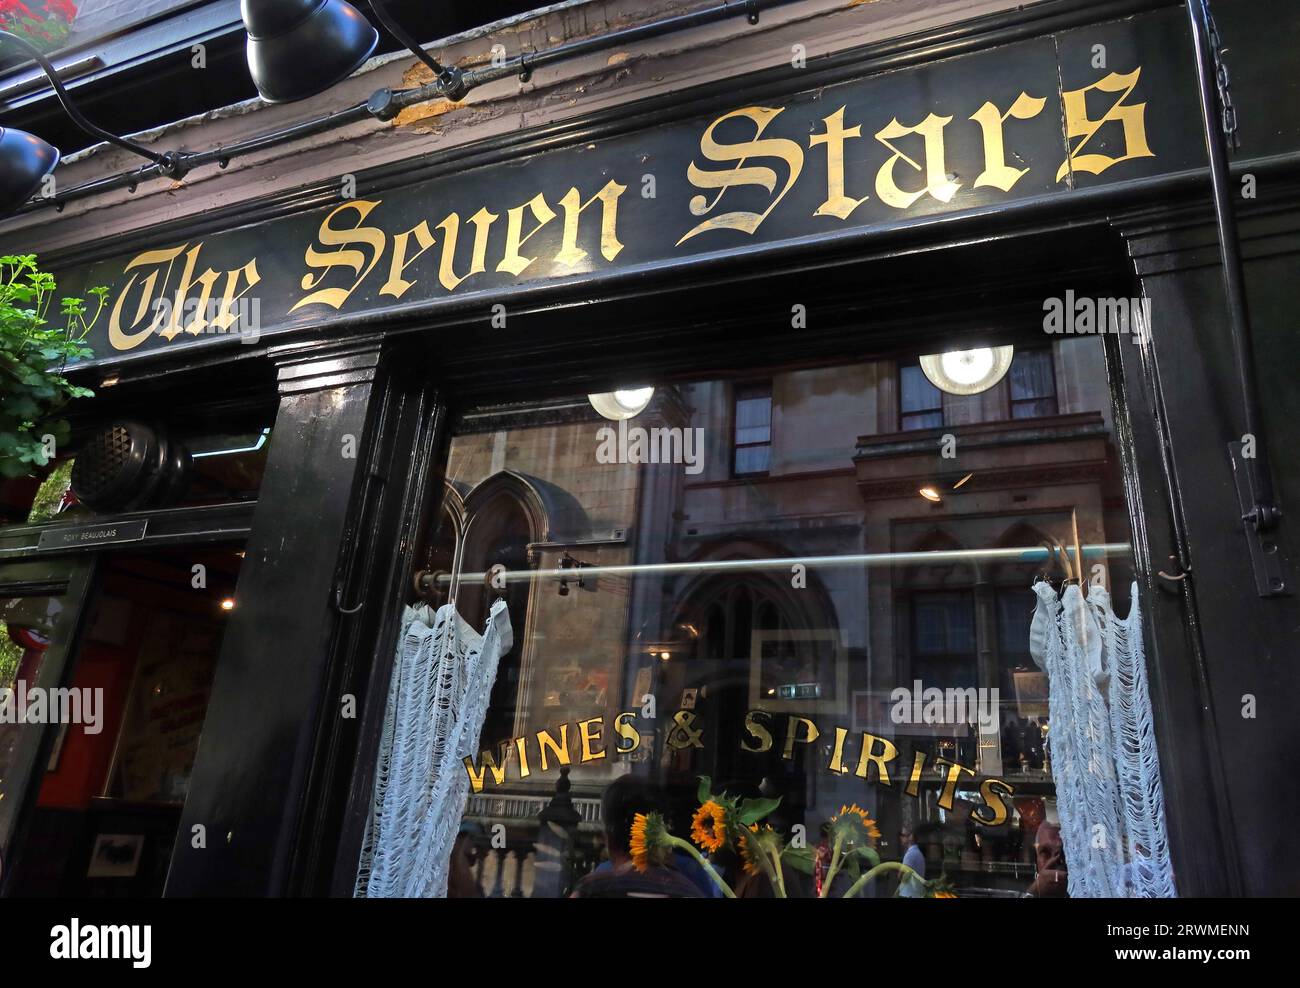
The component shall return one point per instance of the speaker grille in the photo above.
(110, 465)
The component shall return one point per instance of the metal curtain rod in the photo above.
(384, 104)
(1024, 554)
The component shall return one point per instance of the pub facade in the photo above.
(750, 415)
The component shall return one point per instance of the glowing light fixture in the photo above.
(620, 405)
(930, 494)
(967, 372)
(228, 604)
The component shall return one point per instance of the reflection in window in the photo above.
(753, 439)
(1033, 384)
(921, 402)
(669, 626)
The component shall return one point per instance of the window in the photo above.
(1028, 391)
(920, 402)
(53, 25)
(1033, 384)
(753, 438)
(759, 635)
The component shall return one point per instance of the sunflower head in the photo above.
(940, 888)
(747, 853)
(854, 826)
(709, 826)
(649, 841)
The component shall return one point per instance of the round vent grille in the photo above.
(111, 465)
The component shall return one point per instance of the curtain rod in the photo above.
(1023, 554)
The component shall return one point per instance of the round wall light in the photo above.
(967, 372)
(620, 405)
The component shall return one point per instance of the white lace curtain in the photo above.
(1103, 745)
(437, 701)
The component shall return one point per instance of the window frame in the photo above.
(737, 395)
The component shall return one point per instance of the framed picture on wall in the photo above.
(798, 671)
(115, 856)
(1031, 694)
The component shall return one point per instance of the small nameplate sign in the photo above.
(85, 536)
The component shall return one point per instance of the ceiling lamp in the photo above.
(967, 372)
(299, 48)
(620, 405)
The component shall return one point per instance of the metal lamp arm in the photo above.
(165, 161)
(449, 77)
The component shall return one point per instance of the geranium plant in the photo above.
(723, 821)
(33, 356)
(45, 23)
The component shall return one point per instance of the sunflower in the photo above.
(747, 853)
(940, 894)
(854, 825)
(649, 841)
(709, 826)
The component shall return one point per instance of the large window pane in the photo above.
(671, 622)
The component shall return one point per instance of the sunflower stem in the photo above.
(834, 868)
(779, 872)
(878, 870)
(708, 868)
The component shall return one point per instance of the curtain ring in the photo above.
(338, 603)
(1178, 578)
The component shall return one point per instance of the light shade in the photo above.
(621, 405)
(25, 160)
(298, 48)
(967, 372)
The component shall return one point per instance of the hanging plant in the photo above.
(33, 356)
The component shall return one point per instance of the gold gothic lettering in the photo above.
(997, 173)
(570, 254)
(170, 309)
(1132, 118)
(354, 260)
(937, 182)
(780, 148)
(837, 203)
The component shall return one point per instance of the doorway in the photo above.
(114, 693)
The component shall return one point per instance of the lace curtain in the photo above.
(437, 701)
(1103, 744)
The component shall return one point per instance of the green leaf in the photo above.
(705, 792)
(754, 810)
(868, 855)
(802, 859)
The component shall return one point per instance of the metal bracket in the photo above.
(568, 562)
(1272, 573)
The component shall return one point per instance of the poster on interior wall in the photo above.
(163, 723)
